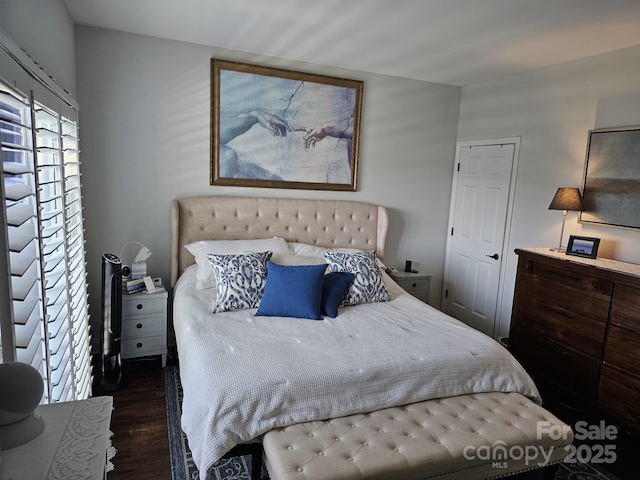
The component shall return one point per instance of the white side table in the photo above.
(417, 284)
(73, 445)
(144, 325)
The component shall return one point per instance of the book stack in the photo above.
(132, 286)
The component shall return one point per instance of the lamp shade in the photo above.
(567, 198)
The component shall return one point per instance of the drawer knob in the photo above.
(139, 325)
(415, 285)
(139, 306)
(139, 344)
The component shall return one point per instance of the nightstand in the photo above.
(144, 325)
(417, 284)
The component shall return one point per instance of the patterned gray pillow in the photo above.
(368, 285)
(240, 280)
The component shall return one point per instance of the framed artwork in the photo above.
(283, 129)
(583, 246)
(611, 191)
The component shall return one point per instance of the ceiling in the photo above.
(456, 42)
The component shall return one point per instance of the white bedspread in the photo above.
(244, 375)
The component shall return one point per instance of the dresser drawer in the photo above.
(571, 289)
(142, 304)
(143, 346)
(622, 350)
(144, 326)
(576, 331)
(552, 361)
(619, 395)
(625, 309)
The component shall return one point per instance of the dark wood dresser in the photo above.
(576, 324)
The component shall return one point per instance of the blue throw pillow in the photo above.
(292, 291)
(334, 286)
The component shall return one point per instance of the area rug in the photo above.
(239, 468)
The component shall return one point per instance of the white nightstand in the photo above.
(417, 284)
(144, 325)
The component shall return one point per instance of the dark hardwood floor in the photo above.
(139, 424)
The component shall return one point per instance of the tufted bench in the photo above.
(484, 435)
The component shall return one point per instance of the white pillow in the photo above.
(205, 277)
(315, 251)
(296, 260)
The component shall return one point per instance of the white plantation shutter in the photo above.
(44, 317)
(22, 326)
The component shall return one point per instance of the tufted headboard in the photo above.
(326, 223)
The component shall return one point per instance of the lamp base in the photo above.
(21, 432)
(558, 249)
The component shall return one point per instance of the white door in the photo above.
(481, 195)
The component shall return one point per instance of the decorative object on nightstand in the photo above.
(144, 325)
(565, 199)
(138, 268)
(414, 283)
(21, 390)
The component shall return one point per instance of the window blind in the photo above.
(48, 325)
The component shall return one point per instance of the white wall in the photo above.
(144, 117)
(44, 30)
(553, 109)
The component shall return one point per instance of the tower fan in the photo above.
(111, 378)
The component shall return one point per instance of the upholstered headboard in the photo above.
(326, 223)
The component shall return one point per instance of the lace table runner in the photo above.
(75, 443)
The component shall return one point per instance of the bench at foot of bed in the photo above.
(476, 436)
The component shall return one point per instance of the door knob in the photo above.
(495, 256)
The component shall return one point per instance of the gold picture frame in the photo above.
(278, 128)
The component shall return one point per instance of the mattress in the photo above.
(244, 375)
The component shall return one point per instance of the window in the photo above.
(44, 317)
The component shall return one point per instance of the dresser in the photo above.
(576, 323)
(417, 284)
(144, 325)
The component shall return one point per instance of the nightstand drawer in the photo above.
(140, 327)
(142, 304)
(414, 285)
(141, 347)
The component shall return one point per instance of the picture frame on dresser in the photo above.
(586, 247)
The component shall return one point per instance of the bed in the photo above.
(244, 375)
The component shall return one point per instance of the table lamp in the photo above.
(565, 199)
